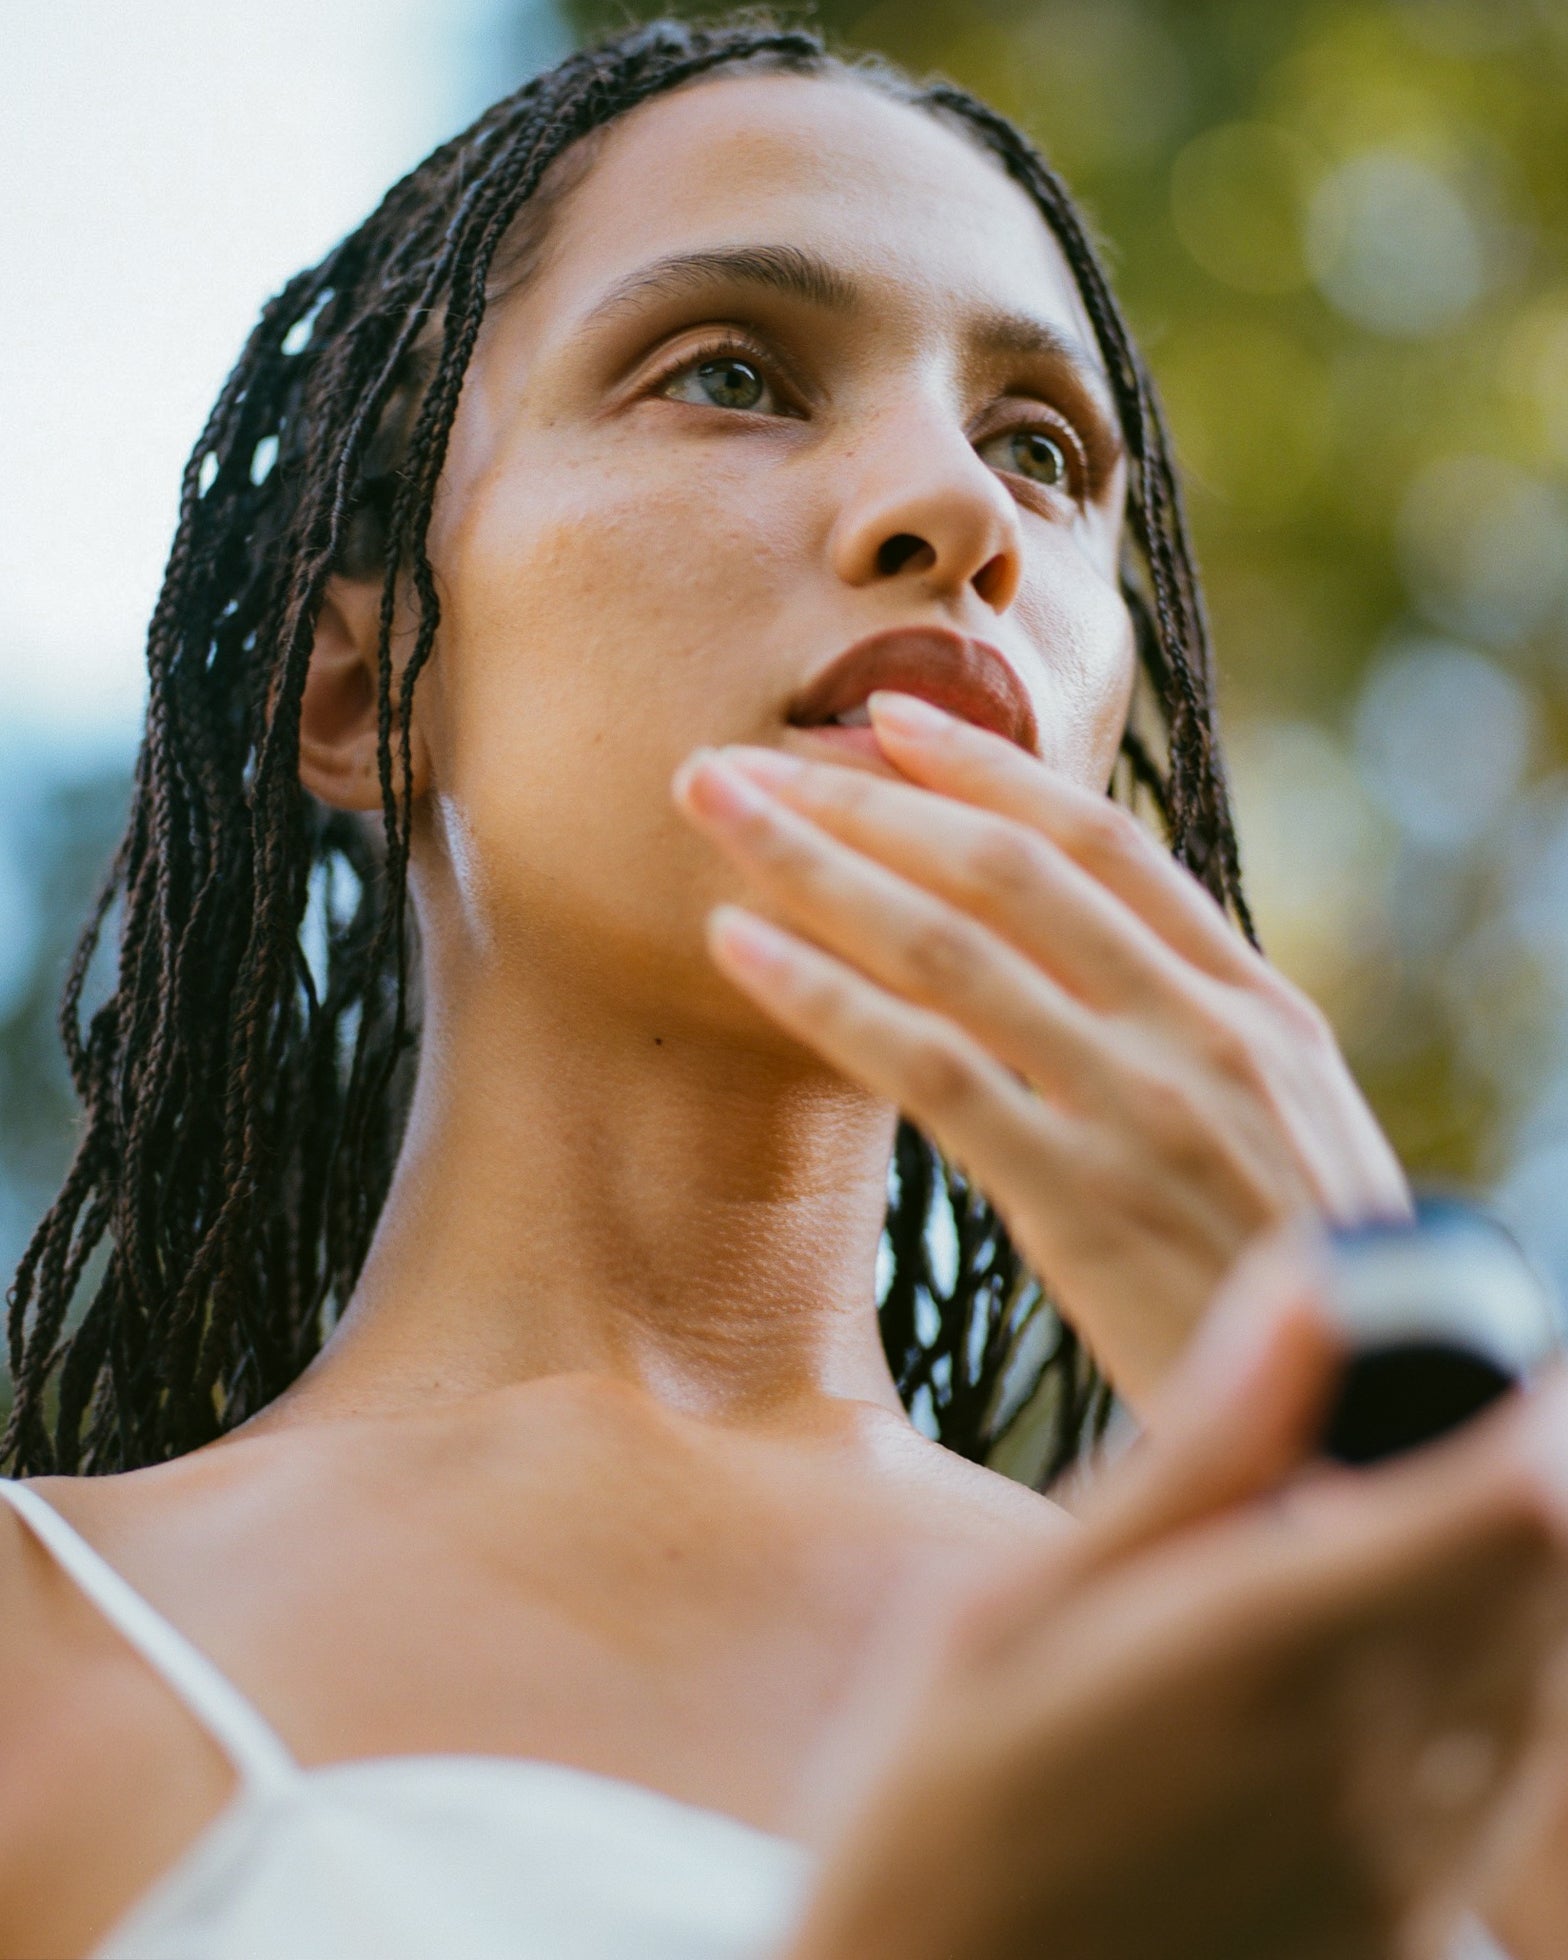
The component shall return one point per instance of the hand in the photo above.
(1233, 1718)
(1018, 965)
(1527, 1898)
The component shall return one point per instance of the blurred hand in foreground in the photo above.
(1256, 1709)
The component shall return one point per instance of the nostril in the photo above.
(990, 582)
(901, 551)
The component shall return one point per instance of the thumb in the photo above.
(1241, 1411)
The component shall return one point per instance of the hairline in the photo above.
(525, 246)
(524, 251)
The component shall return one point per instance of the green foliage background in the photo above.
(1341, 228)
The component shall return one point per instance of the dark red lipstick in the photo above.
(968, 677)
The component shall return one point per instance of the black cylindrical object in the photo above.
(1442, 1315)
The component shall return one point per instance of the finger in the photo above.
(1010, 875)
(1525, 1892)
(1471, 1528)
(1453, 1560)
(1456, 1606)
(908, 940)
(1241, 1416)
(1102, 1073)
(962, 1098)
(944, 753)
(1242, 1410)
(1426, 1615)
(1226, 986)
(1260, 1058)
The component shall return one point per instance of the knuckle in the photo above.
(783, 847)
(1101, 834)
(1302, 1020)
(1006, 863)
(941, 952)
(1191, 1152)
(825, 997)
(848, 791)
(1167, 1107)
(797, 849)
(1524, 1545)
(1229, 1046)
(1108, 1188)
(940, 1076)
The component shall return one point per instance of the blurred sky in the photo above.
(167, 164)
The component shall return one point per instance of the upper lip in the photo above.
(968, 677)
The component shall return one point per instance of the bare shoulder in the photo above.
(56, 1653)
(28, 1587)
(42, 1734)
(82, 1719)
(13, 1548)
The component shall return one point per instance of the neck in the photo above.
(585, 1191)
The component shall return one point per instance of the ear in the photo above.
(337, 729)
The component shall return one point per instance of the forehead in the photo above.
(906, 204)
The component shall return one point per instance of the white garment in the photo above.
(439, 1857)
(428, 1857)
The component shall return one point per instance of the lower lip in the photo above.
(844, 742)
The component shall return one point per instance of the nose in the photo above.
(924, 508)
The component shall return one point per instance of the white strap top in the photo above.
(428, 1857)
(439, 1857)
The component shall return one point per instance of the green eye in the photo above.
(730, 384)
(1032, 453)
(722, 383)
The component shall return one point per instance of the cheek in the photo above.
(1077, 619)
(577, 592)
(594, 628)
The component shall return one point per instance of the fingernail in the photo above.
(714, 788)
(907, 714)
(771, 767)
(744, 940)
(683, 775)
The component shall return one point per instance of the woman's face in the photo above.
(798, 366)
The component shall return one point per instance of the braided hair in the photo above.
(245, 1082)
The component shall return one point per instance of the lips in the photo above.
(969, 678)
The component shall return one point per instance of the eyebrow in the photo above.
(803, 275)
(1022, 335)
(779, 268)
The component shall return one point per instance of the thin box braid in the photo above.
(244, 1083)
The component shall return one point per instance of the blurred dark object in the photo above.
(1443, 1315)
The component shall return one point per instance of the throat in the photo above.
(694, 1221)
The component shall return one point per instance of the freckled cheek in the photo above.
(589, 641)
(615, 572)
(1077, 619)
(557, 618)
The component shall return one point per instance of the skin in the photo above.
(1191, 1732)
(617, 1329)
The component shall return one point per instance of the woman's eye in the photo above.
(726, 382)
(1030, 453)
